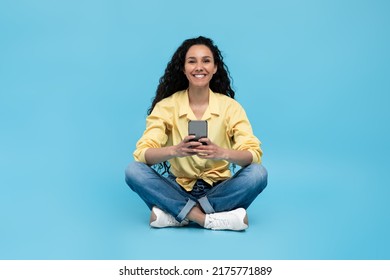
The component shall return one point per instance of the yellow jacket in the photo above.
(228, 127)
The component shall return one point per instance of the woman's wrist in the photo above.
(241, 158)
(172, 152)
(157, 155)
(226, 154)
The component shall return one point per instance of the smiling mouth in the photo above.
(199, 76)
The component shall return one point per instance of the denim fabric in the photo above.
(165, 193)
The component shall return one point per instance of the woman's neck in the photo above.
(199, 101)
(198, 96)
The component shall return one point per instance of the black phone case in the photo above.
(197, 128)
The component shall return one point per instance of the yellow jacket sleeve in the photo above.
(155, 134)
(240, 131)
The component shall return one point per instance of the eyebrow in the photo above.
(193, 57)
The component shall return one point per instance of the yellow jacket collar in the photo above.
(185, 109)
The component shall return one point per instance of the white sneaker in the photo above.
(230, 220)
(164, 219)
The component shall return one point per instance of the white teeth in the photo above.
(199, 76)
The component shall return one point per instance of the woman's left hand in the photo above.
(209, 150)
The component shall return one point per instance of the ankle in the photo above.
(246, 219)
(196, 215)
(153, 217)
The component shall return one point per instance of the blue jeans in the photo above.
(164, 192)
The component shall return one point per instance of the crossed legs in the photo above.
(220, 202)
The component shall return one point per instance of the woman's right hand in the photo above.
(186, 147)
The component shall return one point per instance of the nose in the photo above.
(199, 67)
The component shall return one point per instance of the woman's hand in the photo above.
(209, 150)
(214, 152)
(183, 149)
(186, 147)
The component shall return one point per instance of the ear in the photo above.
(215, 69)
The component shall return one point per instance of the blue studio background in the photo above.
(76, 79)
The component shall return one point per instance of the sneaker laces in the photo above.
(171, 220)
(164, 219)
(230, 220)
(219, 222)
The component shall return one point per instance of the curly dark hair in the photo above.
(175, 80)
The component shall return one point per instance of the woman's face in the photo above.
(199, 66)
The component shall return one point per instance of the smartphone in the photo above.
(197, 128)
